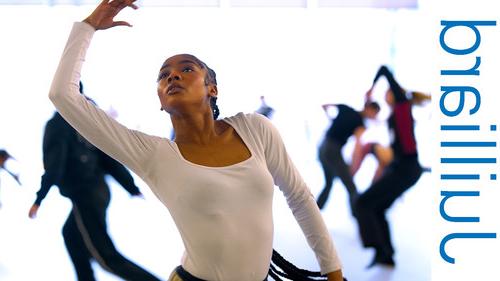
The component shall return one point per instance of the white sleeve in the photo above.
(132, 148)
(298, 196)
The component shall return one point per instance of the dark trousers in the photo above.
(373, 203)
(86, 238)
(332, 161)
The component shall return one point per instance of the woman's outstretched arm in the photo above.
(132, 148)
(299, 198)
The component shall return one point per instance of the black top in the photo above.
(401, 121)
(75, 165)
(344, 125)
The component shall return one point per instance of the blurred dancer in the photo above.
(403, 172)
(348, 122)
(4, 156)
(384, 154)
(78, 169)
(264, 108)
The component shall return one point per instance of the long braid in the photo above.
(275, 273)
(215, 108)
(292, 267)
(290, 271)
(212, 79)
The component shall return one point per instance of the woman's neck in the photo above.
(196, 128)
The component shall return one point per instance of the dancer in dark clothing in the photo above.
(347, 123)
(402, 173)
(4, 156)
(78, 169)
(264, 108)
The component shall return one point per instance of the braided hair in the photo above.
(281, 268)
(211, 79)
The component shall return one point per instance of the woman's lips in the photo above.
(173, 89)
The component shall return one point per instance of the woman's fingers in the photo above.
(103, 15)
(121, 23)
(116, 3)
(120, 4)
(131, 4)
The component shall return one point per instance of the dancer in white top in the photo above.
(216, 177)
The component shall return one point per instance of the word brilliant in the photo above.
(452, 103)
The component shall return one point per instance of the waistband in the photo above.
(186, 276)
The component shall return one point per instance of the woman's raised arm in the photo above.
(131, 148)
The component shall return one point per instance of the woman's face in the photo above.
(182, 85)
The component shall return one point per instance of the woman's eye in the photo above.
(187, 69)
(162, 76)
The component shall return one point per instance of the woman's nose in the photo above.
(173, 77)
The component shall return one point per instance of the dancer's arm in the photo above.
(299, 197)
(357, 154)
(130, 147)
(326, 107)
(55, 154)
(419, 98)
(402, 113)
(399, 93)
(13, 175)
(119, 173)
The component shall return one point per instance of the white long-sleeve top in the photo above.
(224, 214)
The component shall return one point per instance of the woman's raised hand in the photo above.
(103, 16)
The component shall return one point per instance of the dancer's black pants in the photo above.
(371, 206)
(86, 238)
(333, 164)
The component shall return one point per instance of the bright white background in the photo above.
(298, 58)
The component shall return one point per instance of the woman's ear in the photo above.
(212, 90)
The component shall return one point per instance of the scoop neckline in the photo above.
(178, 151)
